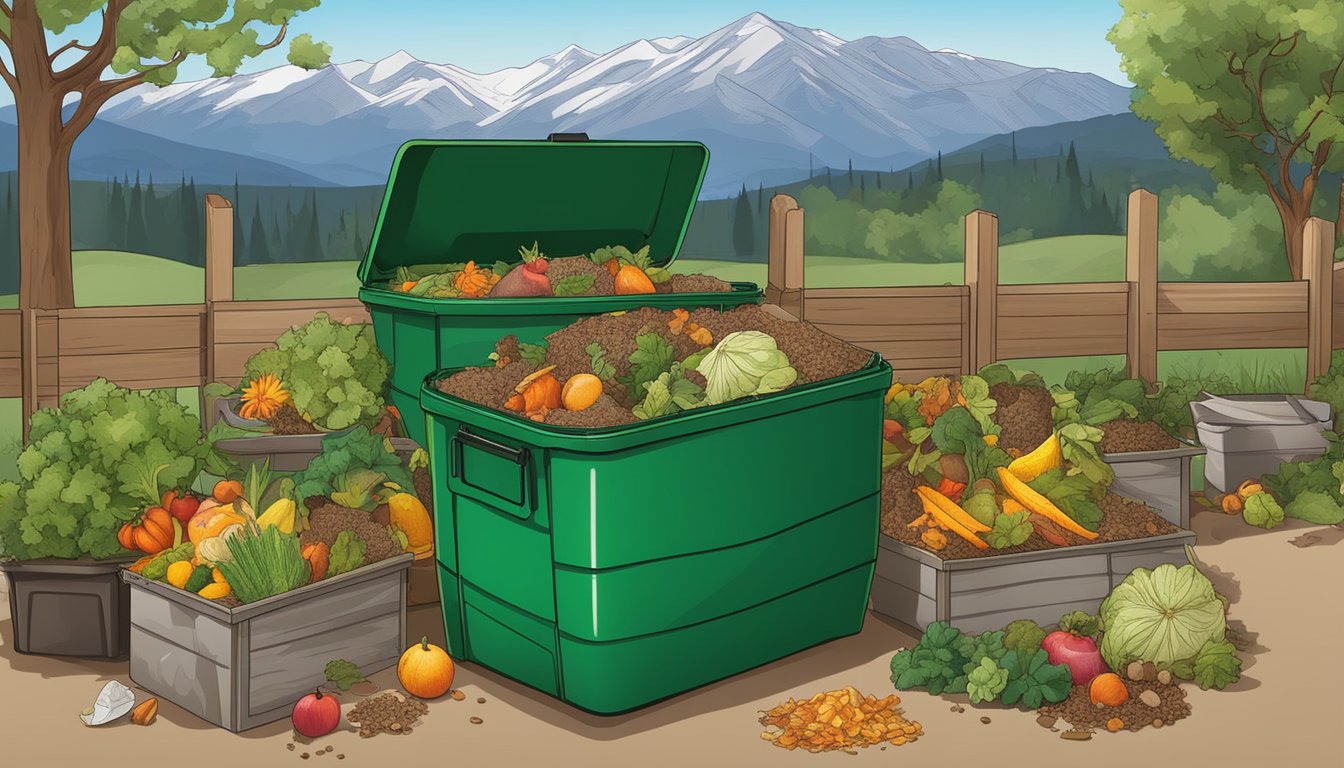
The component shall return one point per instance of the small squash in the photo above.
(210, 521)
(214, 590)
(1232, 504)
(1108, 690)
(409, 515)
(179, 573)
(631, 280)
(227, 491)
(425, 670)
(318, 556)
(581, 391)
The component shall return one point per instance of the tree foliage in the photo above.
(1244, 88)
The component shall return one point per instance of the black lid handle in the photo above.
(567, 137)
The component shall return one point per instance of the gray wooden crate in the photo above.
(915, 586)
(1160, 479)
(243, 667)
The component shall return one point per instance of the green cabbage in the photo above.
(743, 364)
(1163, 615)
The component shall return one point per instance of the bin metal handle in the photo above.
(570, 137)
(516, 455)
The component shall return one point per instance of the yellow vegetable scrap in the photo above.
(837, 720)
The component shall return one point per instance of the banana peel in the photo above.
(1045, 457)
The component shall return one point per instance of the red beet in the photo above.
(1078, 653)
(524, 281)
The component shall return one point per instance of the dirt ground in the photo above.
(1283, 584)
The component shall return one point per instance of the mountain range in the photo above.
(770, 99)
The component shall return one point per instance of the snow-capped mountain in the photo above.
(769, 98)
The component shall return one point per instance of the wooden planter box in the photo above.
(1160, 479)
(243, 667)
(916, 587)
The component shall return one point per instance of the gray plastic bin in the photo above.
(1248, 436)
(69, 607)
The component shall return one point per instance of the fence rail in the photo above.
(937, 330)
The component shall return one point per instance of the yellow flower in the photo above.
(263, 397)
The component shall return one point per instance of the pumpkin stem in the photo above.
(424, 643)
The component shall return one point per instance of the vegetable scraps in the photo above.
(947, 661)
(352, 464)
(1074, 646)
(263, 564)
(335, 373)
(76, 481)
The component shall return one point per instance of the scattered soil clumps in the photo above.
(1123, 436)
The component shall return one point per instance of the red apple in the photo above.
(316, 715)
(1078, 653)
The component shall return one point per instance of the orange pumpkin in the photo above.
(151, 534)
(425, 670)
(226, 491)
(1108, 690)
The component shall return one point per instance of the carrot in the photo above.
(1042, 506)
(950, 488)
(1047, 530)
(931, 507)
(950, 509)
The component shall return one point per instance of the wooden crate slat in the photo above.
(1219, 298)
(134, 370)
(1232, 330)
(93, 334)
(864, 310)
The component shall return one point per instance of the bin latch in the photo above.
(559, 137)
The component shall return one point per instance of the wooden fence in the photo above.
(935, 330)
(45, 353)
(922, 330)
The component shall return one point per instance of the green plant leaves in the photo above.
(1216, 665)
(1010, 530)
(1262, 510)
(1033, 680)
(602, 369)
(573, 285)
(347, 553)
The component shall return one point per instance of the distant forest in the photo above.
(910, 215)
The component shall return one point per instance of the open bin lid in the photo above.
(1258, 410)
(455, 201)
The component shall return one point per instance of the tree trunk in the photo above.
(46, 281)
(1339, 217)
(1293, 221)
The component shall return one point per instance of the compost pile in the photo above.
(1147, 705)
(618, 368)
(961, 480)
(387, 713)
(359, 508)
(1125, 435)
(610, 271)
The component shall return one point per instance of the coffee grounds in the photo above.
(1079, 711)
(1024, 414)
(288, 421)
(326, 520)
(1123, 435)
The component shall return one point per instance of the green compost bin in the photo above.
(455, 201)
(615, 567)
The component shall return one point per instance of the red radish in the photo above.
(539, 266)
(1074, 647)
(316, 715)
(891, 428)
(181, 506)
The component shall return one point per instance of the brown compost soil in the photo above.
(1124, 436)
(1079, 711)
(1023, 412)
(1122, 519)
(326, 520)
(814, 354)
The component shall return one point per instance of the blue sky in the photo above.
(485, 36)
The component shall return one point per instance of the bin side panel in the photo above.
(66, 614)
(895, 566)
(510, 641)
(314, 617)
(992, 576)
(618, 603)
(1157, 484)
(193, 631)
(506, 557)
(751, 480)
(445, 503)
(1041, 614)
(1124, 563)
(281, 674)
(187, 679)
(900, 602)
(618, 676)
(450, 599)
(1049, 591)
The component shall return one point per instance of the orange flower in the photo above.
(679, 318)
(474, 281)
(263, 397)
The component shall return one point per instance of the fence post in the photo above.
(1318, 269)
(784, 287)
(218, 281)
(1141, 272)
(39, 362)
(982, 278)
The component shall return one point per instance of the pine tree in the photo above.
(1014, 148)
(879, 180)
(940, 165)
(312, 246)
(810, 172)
(982, 165)
(137, 240)
(116, 217)
(258, 251)
(743, 229)
(153, 221)
(239, 242)
(1075, 215)
(277, 243)
(930, 176)
(760, 198)
(910, 180)
(851, 171)
(863, 187)
(192, 218)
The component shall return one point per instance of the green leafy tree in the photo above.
(139, 41)
(1245, 88)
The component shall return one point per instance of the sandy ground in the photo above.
(1286, 596)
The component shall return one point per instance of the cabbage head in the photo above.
(743, 364)
(1163, 615)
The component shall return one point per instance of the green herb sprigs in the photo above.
(534, 354)
(264, 564)
(601, 368)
